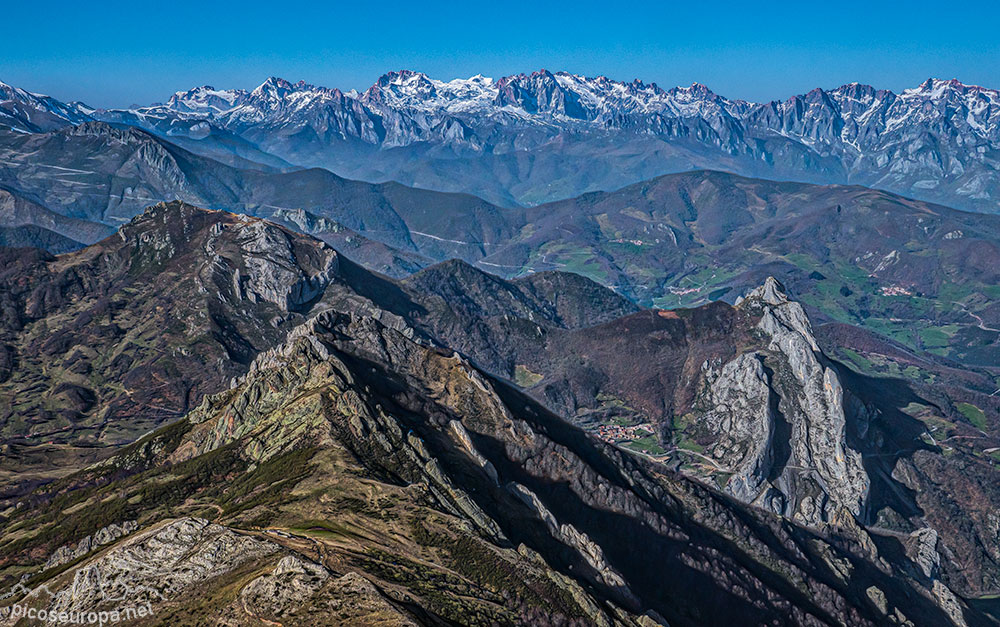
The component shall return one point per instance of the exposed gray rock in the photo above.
(292, 581)
(949, 603)
(459, 433)
(878, 598)
(106, 535)
(157, 565)
(307, 222)
(741, 414)
(921, 548)
(572, 537)
(112, 532)
(779, 419)
(272, 271)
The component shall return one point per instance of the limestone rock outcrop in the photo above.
(779, 418)
(106, 535)
(157, 565)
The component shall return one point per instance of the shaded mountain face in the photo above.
(19, 212)
(371, 254)
(81, 180)
(369, 451)
(30, 236)
(531, 138)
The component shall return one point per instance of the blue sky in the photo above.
(116, 53)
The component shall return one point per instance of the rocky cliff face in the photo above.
(779, 418)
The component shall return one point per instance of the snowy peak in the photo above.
(859, 93)
(275, 90)
(276, 99)
(9, 92)
(28, 112)
(401, 87)
(951, 91)
(952, 107)
(407, 81)
(279, 94)
(700, 101)
(276, 87)
(696, 91)
(937, 88)
(610, 102)
(541, 93)
(409, 90)
(206, 99)
(274, 96)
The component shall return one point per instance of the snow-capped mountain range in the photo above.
(529, 138)
(25, 112)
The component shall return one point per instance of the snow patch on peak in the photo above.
(26, 111)
(936, 89)
(206, 99)
(407, 89)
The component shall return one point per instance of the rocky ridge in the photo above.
(118, 339)
(105, 535)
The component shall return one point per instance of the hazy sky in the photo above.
(116, 54)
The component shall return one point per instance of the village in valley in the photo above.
(618, 434)
(639, 438)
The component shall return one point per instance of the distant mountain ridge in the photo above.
(526, 139)
(26, 112)
(939, 141)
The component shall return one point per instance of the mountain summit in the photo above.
(25, 112)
